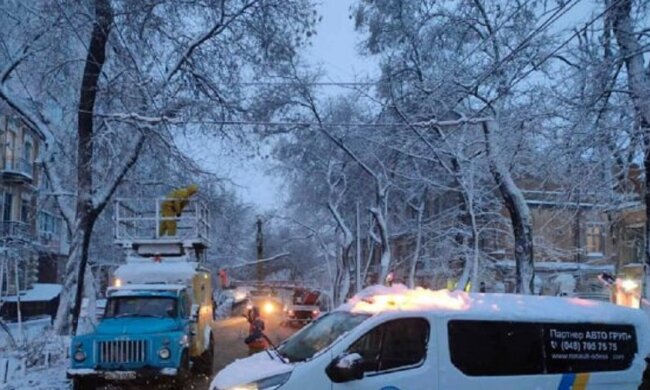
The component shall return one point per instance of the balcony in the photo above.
(16, 231)
(17, 169)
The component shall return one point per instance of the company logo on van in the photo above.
(574, 381)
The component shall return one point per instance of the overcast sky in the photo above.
(334, 49)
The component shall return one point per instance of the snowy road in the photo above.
(230, 334)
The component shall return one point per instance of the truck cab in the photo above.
(145, 333)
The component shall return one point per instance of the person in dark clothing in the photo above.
(256, 341)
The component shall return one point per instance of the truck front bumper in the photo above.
(121, 375)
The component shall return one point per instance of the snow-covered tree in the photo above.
(123, 73)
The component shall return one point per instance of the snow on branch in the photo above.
(132, 117)
(455, 122)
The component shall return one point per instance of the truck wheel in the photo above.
(82, 384)
(205, 363)
(183, 376)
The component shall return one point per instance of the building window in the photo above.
(6, 209)
(48, 223)
(595, 240)
(24, 211)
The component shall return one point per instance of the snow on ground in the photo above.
(52, 378)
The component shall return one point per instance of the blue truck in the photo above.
(158, 320)
(149, 332)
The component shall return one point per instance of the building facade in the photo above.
(31, 235)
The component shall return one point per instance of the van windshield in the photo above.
(319, 335)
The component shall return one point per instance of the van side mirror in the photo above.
(345, 368)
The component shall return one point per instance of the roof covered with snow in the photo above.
(166, 272)
(40, 292)
(559, 266)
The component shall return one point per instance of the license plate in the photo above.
(119, 375)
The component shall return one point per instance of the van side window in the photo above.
(394, 344)
(496, 347)
(493, 348)
(369, 347)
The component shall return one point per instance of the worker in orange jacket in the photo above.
(256, 340)
(173, 206)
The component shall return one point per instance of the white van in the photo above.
(400, 339)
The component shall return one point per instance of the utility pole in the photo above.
(578, 229)
(259, 240)
(358, 254)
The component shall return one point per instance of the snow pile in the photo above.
(51, 378)
(247, 370)
(38, 362)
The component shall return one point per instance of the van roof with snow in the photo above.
(457, 304)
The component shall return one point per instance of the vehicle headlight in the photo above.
(270, 383)
(79, 356)
(269, 307)
(164, 353)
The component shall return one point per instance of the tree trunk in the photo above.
(385, 258)
(86, 214)
(344, 286)
(474, 285)
(638, 79)
(342, 282)
(357, 274)
(465, 275)
(418, 243)
(519, 212)
(646, 165)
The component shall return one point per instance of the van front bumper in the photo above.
(120, 375)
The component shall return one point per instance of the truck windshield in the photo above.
(141, 307)
(319, 335)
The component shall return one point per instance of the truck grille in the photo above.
(122, 351)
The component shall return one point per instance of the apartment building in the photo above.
(32, 241)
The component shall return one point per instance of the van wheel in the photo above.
(183, 375)
(205, 363)
(82, 384)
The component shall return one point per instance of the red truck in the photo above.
(304, 307)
